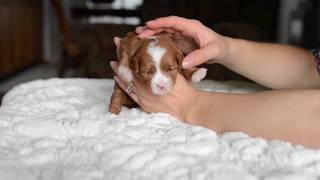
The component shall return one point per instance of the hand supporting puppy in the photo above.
(263, 114)
(177, 103)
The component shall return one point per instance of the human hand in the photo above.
(213, 47)
(177, 103)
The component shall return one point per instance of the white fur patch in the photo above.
(199, 74)
(156, 52)
(160, 84)
(125, 73)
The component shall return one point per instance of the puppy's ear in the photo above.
(134, 43)
(179, 57)
(184, 44)
(134, 65)
(128, 47)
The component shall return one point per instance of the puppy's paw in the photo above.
(114, 110)
(199, 74)
(125, 73)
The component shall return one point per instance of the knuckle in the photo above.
(195, 22)
(173, 17)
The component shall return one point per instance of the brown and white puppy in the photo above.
(154, 62)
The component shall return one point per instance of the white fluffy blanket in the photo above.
(59, 129)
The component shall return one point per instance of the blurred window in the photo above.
(124, 5)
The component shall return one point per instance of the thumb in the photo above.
(197, 57)
(117, 41)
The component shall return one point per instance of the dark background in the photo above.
(61, 37)
(248, 19)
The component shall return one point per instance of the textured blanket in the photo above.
(59, 129)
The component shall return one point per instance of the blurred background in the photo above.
(73, 38)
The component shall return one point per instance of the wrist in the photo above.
(197, 108)
(232, 50)
(191, 108)
(205, 111)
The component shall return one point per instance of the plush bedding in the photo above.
(59, 129)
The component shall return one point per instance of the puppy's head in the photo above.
(156, 63)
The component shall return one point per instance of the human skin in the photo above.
(290, 115)
(272, 65)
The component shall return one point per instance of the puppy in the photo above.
(154, 62)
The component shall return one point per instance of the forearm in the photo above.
(286, 115)
(272, 65)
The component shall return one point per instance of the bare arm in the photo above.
(272, 65)
(291, 115)
(287, 115)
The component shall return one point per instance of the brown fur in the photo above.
(133, 54)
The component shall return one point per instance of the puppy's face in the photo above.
(156, 64)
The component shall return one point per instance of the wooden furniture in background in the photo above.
(87, 47)
(20, 35)
(72, 54)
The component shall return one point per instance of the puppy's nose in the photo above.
(161, 87)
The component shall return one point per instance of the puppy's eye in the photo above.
(172, 69)
(149, 72)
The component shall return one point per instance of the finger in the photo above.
(170, 31)
(149, 32)
(197, 57)
(123, 86)
(140, 29)
(121, 83)
(117, 41)
(178, 36)
(114, 66)
(172, 22)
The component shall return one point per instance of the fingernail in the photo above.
(116, 40)
(112, 64)
(116, 78)
(185, 64)
(139, 28)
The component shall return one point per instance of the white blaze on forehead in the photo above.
(159, 79)
(156, 52)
